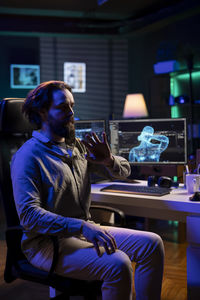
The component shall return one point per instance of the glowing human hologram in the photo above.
(150, 148)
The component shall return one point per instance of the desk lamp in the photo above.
(135, 106)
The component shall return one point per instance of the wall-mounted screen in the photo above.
(75, 76)
(150, 141)
(24, 76)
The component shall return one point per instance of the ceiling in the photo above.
(86, 16)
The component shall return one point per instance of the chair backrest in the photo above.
(14, 131)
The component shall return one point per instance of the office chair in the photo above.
(14, 131)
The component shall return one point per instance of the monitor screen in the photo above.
(150, 141)
(24, 76)
(88, 126)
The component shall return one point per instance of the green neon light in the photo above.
(171, 85)
(176, 223)
(186, 76)
(175, 113)
(176, 79)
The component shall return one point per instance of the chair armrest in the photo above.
(119, 216)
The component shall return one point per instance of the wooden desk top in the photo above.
(173, 206)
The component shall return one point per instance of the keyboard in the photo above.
(136, 189)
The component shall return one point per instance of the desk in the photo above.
(174, 206)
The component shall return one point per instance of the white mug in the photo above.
(192, 183)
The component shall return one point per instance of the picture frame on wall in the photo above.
(24, 76)
(75, 76)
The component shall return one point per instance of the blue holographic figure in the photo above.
(150, 148)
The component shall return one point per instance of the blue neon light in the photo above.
(166, 67)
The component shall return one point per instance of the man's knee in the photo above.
(159, 249)
(157, 243)
(120, 266)
(151, 245)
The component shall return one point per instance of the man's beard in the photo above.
(64, 129)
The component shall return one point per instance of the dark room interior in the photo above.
(117, 48)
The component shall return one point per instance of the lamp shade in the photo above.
(135, 106)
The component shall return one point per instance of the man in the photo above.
(50, 175)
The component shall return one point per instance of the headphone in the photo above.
(162, 181)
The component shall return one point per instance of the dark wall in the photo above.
(106, 69)
(106, 72)
(16, 50)
(176, 40)
(132, 67)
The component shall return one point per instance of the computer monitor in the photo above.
(88, 126)
(150, 141)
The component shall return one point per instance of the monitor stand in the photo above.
(143, 172)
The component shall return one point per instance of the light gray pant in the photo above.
(78, 259)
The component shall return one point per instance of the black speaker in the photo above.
(162, 181)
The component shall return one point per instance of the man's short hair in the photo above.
(41, 98)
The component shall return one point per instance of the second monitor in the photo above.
(88, 126)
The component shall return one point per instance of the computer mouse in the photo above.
(195, 197)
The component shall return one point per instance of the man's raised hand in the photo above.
(99, 150)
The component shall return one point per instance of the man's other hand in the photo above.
(99, 237)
